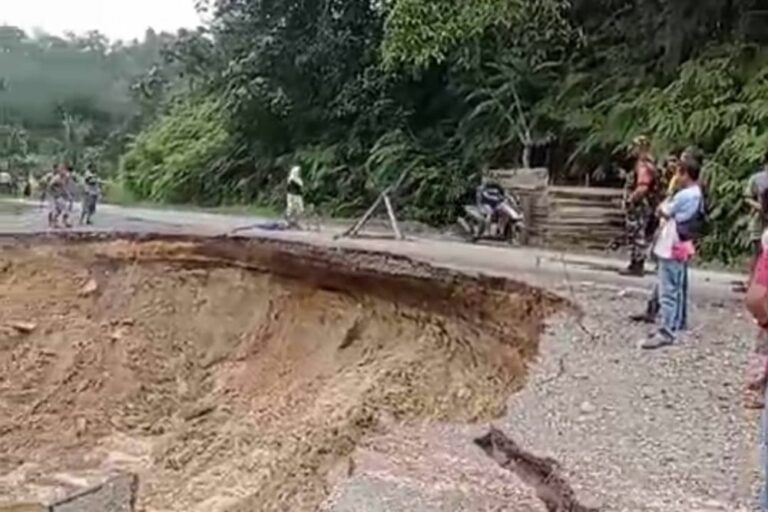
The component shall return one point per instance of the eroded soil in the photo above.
(234, 375)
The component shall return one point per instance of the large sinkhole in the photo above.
(233, 374)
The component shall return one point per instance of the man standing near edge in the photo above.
(682, 218)
(672, 186)
(641, 185)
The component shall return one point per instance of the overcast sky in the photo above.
(118, 19)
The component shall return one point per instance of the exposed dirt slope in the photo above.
(234, 376)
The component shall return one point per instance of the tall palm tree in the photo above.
(76, 132)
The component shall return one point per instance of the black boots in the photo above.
(650, 314)
(635, 269)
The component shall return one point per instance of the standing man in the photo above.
(639, 204)
(91, 194)
(58, 191)
(682, 220)
(671, 186)
(755, 195)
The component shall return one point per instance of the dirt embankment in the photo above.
(234, 375)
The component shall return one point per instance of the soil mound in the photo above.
(233, 375)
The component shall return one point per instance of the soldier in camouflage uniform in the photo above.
(640, 202)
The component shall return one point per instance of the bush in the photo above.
(178, 158)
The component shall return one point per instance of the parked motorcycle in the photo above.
(504, 222)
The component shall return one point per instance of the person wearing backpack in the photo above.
(672, 186)
(683, 222)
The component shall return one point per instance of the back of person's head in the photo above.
(694, 152)
(691, 166)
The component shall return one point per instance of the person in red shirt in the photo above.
(757, 369)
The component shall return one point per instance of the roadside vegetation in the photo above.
(357, 91)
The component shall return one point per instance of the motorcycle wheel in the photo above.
(513, 233)
(468, 231)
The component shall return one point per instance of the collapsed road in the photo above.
(631, 432)
(234, 374)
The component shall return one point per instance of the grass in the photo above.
(115, 193)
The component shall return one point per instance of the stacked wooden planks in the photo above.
(573, 216)
(581, 216)
(565, 216)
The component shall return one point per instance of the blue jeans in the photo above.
(672, 296)
(682, 324)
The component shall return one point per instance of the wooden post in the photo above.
(392, 218)
(384, 197)
(353, 231)
(526, 201)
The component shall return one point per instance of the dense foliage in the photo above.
(359, 91)
(177, 157)
(71, 98)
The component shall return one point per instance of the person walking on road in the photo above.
(639, 204)
(682, 219)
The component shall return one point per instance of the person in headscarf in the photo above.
(640, 203)
(294, 197)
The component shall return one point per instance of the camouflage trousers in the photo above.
(637, 222)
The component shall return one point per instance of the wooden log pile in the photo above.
(581, 216)
(565, 216)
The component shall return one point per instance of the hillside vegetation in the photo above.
(358, 91)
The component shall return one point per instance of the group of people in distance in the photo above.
(60, 188)
(666, 215)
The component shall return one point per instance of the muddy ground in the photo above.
(240, 375)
